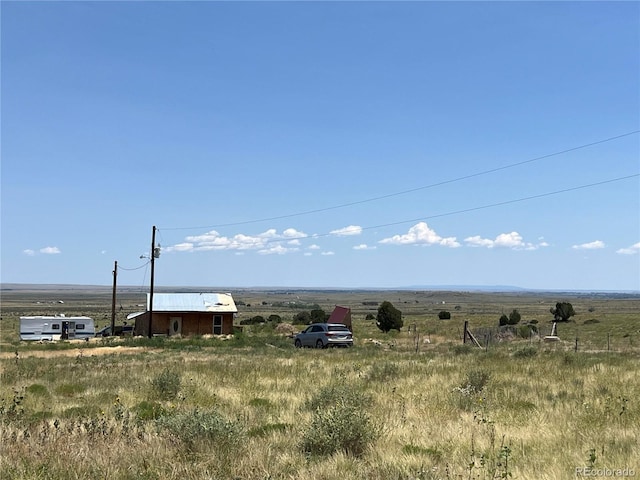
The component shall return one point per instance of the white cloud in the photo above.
(632, 250)
(29, 252)
(276, 249)
(314, 247)
(511, 240)
(347, 231)
(50, 250)
(265, 243)
(364, 246)
(180, 247)
(327, 253)
(589, 246)
(477, 241)
(421, 234)
(293, 233)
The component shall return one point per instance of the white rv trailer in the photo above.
(56, 328)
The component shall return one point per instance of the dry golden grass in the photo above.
(87, 411)
(550, 411)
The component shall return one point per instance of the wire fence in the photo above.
(563, 338)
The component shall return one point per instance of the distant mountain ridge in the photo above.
(161, 288)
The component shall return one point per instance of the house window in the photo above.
(55, 326)
(79, 326)
(217, 324)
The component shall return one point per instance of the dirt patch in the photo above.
(74, 352)
(286, 329)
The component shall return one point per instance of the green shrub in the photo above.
(256, 320)
(525, 331)
(149, 410)
(264, 430)
(70, 389)
(202, 428)
(38, 390)
(84, 411)
(463, 349)
(332, 395)
(302, 318)
(260, 402)
(166, 385)
(591, 321)
(476, 380)
(432, 452)
(526, 352)
(444, 315)
(340, 428)
(319, 316)
(389, 317)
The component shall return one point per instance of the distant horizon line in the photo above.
(5, 286)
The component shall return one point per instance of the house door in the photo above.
(68, 330)
(217, 324)
(175, 325)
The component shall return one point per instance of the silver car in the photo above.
(323, 335)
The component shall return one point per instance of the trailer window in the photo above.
(55, 326)
(79, 326)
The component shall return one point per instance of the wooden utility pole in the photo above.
(153, 256)
(113, 298)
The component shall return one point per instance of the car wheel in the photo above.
(319, 344)
(298, 343)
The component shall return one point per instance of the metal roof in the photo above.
(193, 302)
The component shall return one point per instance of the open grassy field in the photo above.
(414, 404)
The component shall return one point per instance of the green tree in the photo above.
(514, 317)
(504, 320)
(444, 315)
(389, 317)
(302, 318)
(562, 312)
(318, 316)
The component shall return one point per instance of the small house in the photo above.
(341, 315)
(187, 314)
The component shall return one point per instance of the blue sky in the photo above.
(324, 144)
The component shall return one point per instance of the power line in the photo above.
(507, 202)
(133, 269)
(404, 192)
(465, 210)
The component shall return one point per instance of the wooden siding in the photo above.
(193, 323)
